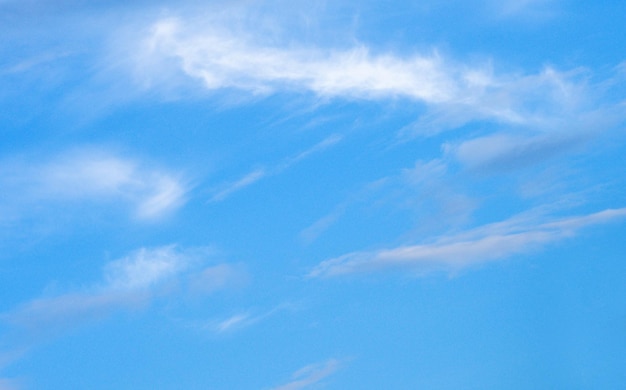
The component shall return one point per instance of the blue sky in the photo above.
(338, 195)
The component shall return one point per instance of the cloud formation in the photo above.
(261, 173)
(241, 320)
(129, 282)
(483, 244)
(222, 57)
(91, 176)
(310, 375)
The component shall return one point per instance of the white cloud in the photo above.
(223, 60)
(29, 64)
(145, 268)
(487, 243)
(52, 314)
(261, 173)
(127, 282)
(426, 192)
(166, 194)
(217, 277)
(549, 137)
(536, 8)
(238, 320)
(224, 57)
(310, 375)
(92, 176)
(130, 282)
(326, 143)
(84, 175)
(244, 182)
(313, 231)
(502, 151)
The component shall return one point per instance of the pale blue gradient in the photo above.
(338, 195)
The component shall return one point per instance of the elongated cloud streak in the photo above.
(222, 58)
(131, 281)
(127, 282)
(261, 173)
(487, 243)
(310, 375)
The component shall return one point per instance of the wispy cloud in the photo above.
(129, 282)
(311, 375)
(245, 181)
(144, 268)
(92, 176)
(221, 59)
(313, 231)
(537, 8)
(261, 173)
(238, 321)
(326, 143)
(486, 243)
(32, 63)
(426, 191)
(217, 277)
(455, 93)
(512, 148)
(133, 283)
(508, 151)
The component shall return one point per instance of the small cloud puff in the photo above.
(144, 268)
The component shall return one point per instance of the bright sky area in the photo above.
(285, 195)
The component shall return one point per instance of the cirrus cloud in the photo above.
(89, 175)
(491, 242)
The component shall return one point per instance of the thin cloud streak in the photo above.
(239, 320)
(311, 375)
(487, 243)
(261, 173)
(326, 143)
(242, 183)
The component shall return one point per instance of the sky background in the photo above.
(289, 195)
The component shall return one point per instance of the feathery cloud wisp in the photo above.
(222, 57)
(487, 243)
(261, 173)
(310, 375)
(91, 175)
(129, 282)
